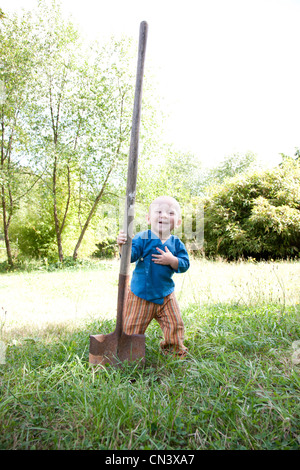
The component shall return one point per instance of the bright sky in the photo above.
(228, 70)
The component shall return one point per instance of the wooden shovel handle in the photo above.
(133, 152)
(131, 178)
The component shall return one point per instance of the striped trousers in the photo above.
(139, 313)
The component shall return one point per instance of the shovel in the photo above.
(116, 347)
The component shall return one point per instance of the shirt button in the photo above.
(142, 259)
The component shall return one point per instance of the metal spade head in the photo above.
(117, 347)
(112, 349)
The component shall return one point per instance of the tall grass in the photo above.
(37, 299)
(237, 389)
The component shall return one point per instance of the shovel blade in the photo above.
(103, 349)
(111, 349)
(131, 348)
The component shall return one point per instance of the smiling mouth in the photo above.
(164, 225)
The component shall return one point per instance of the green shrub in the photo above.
(255, 215)
(36, 241)
(106, 249)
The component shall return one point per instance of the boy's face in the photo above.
(164, 216)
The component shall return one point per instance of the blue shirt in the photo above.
(152, 281)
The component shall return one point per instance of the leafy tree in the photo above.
(232, 165)
(55, 119)
(111, 112)
(172, 172)
(80, 119)
(16, 73)
(73, 110)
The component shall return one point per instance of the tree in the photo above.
(17, 56)
(74, 120)
(112, 97)
(54, 119)
(232, 165)
(171, 172)
(80, 118)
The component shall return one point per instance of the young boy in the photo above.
(158, 255)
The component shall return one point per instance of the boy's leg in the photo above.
(138, 314)
(171, 323)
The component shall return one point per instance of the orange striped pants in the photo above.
(139, 313)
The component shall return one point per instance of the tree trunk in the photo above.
(56, 220)
(75, 253)
(6, 221)
(58, 233)
(5, 228)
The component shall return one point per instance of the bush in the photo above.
(255, 215)
(36, 241)
(106, 249)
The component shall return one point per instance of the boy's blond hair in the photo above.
(169, 200)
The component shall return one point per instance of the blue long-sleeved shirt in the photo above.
(152, 281)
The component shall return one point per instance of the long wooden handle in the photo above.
(132, 174)
(133, 152)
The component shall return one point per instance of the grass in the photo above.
(237, 389)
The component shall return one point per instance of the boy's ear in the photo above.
(178, 223)
(148, 218)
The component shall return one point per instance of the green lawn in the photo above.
(237, 389)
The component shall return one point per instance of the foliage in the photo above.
(169, 172)
(106, 249)
(256, 214)
(75, 119)
(232, 165)
(16, 75)
(79, 121)
(205, 177)
(36, 241)
(66, 121)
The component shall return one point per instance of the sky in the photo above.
(228, 70)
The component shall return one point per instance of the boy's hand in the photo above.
(165, 258)
(121, 239)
